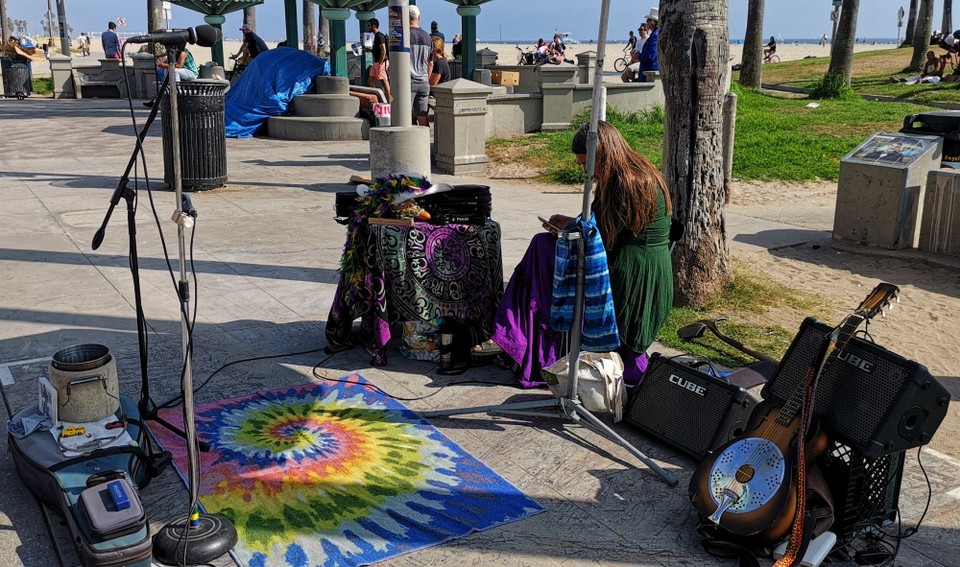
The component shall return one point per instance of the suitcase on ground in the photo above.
(61, 481)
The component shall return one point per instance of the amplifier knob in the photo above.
(944, 401)
(926, 385)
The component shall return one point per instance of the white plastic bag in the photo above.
(599, 381)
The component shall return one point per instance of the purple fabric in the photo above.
(522, 324)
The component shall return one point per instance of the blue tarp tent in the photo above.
(267, 87)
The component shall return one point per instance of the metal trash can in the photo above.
(945, 124)
(17, 80)
(203, 144)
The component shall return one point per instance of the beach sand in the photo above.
(508, 54)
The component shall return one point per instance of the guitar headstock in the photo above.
(874, 304)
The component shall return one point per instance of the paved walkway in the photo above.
(266, 255)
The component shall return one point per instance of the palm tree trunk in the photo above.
(5, 25)
(921, 37)
(751, 64)
(309, 28)
(911, 23)
(325, 33)
(841, 52)
(250, 17)
(946, 26)
(693, 52)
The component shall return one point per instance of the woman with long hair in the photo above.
(632, 210)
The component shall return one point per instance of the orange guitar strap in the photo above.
(799, 536)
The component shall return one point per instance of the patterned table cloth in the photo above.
(421, 273)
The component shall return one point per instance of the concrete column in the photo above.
(586, 67)
(401, 110)
(61, 71)
(364, 16)
(145, 75)
(468, 25)
(216, 52)
(400, 149)
(556, 86)
(338, 39)
(461, 126)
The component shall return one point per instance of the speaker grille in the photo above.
(856, 388)
(678, 413)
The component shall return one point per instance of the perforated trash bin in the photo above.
(203, 144)
(16, 78)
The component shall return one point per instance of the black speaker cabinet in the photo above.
(871, 399)
(690, 410)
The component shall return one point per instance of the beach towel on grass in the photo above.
(267, 87)
(599, 316)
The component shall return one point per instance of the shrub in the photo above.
(832, 86)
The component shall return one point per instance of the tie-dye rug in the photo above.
(336, 473)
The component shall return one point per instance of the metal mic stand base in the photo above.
(179, 543)
(564, 408)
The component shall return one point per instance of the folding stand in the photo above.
(569, 406)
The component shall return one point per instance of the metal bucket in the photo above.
(85, 377)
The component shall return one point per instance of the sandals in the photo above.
(487, 348)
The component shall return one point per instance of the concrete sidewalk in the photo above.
(266, 254)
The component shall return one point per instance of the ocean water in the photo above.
(735, 41)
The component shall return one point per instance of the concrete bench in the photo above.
(102, 89)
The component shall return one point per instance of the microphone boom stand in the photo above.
(148, 410)
(212, 536)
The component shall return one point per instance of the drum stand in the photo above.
(568, 406)
(197, 538)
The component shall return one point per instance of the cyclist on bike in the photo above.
(769, 49)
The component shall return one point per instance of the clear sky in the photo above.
(509, 19)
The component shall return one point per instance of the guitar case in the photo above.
(61, 481)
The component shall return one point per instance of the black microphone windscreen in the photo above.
(207, 36)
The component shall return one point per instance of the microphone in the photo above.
(204, 36)
(187, 206)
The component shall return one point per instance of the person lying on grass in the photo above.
(932, 71)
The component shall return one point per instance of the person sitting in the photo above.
(769, 49)
(632, 210)
(648, 54)
(457, 48)
(540, 55)
(931, 73)
(186, 68)
(558, 45)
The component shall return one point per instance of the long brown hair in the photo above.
(627, 184)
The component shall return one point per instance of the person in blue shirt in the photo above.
(648, 54)
(111, 42)
(253, 44)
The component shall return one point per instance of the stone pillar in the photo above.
(61, 70)
(145, 75)
(364, 16)
(586, 67)
(216, 52)
(468, 25)
(556, 86)
(461, 126)
(110, 65)
(338, 39)
(399, 149)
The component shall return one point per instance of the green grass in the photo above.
(744, 302)
(42, 86)
(777, 137)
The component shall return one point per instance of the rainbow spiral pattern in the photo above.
(338, 474)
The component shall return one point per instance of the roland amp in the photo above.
(689, 409)
(871, 399)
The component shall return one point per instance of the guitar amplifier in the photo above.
(689, 409)
(871, 399)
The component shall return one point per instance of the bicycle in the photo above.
(526, 57)
(240, 62)
(621, 63)
(771, 57)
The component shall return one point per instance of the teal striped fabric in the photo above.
(599, 316)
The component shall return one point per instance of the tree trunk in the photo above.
(6, 29)
(841, 52)
(921, 37)
(309, 28)
(911, 23)
(751, 64)
(250, 17)
(946, 26)
(694, 47)
(155, 22)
